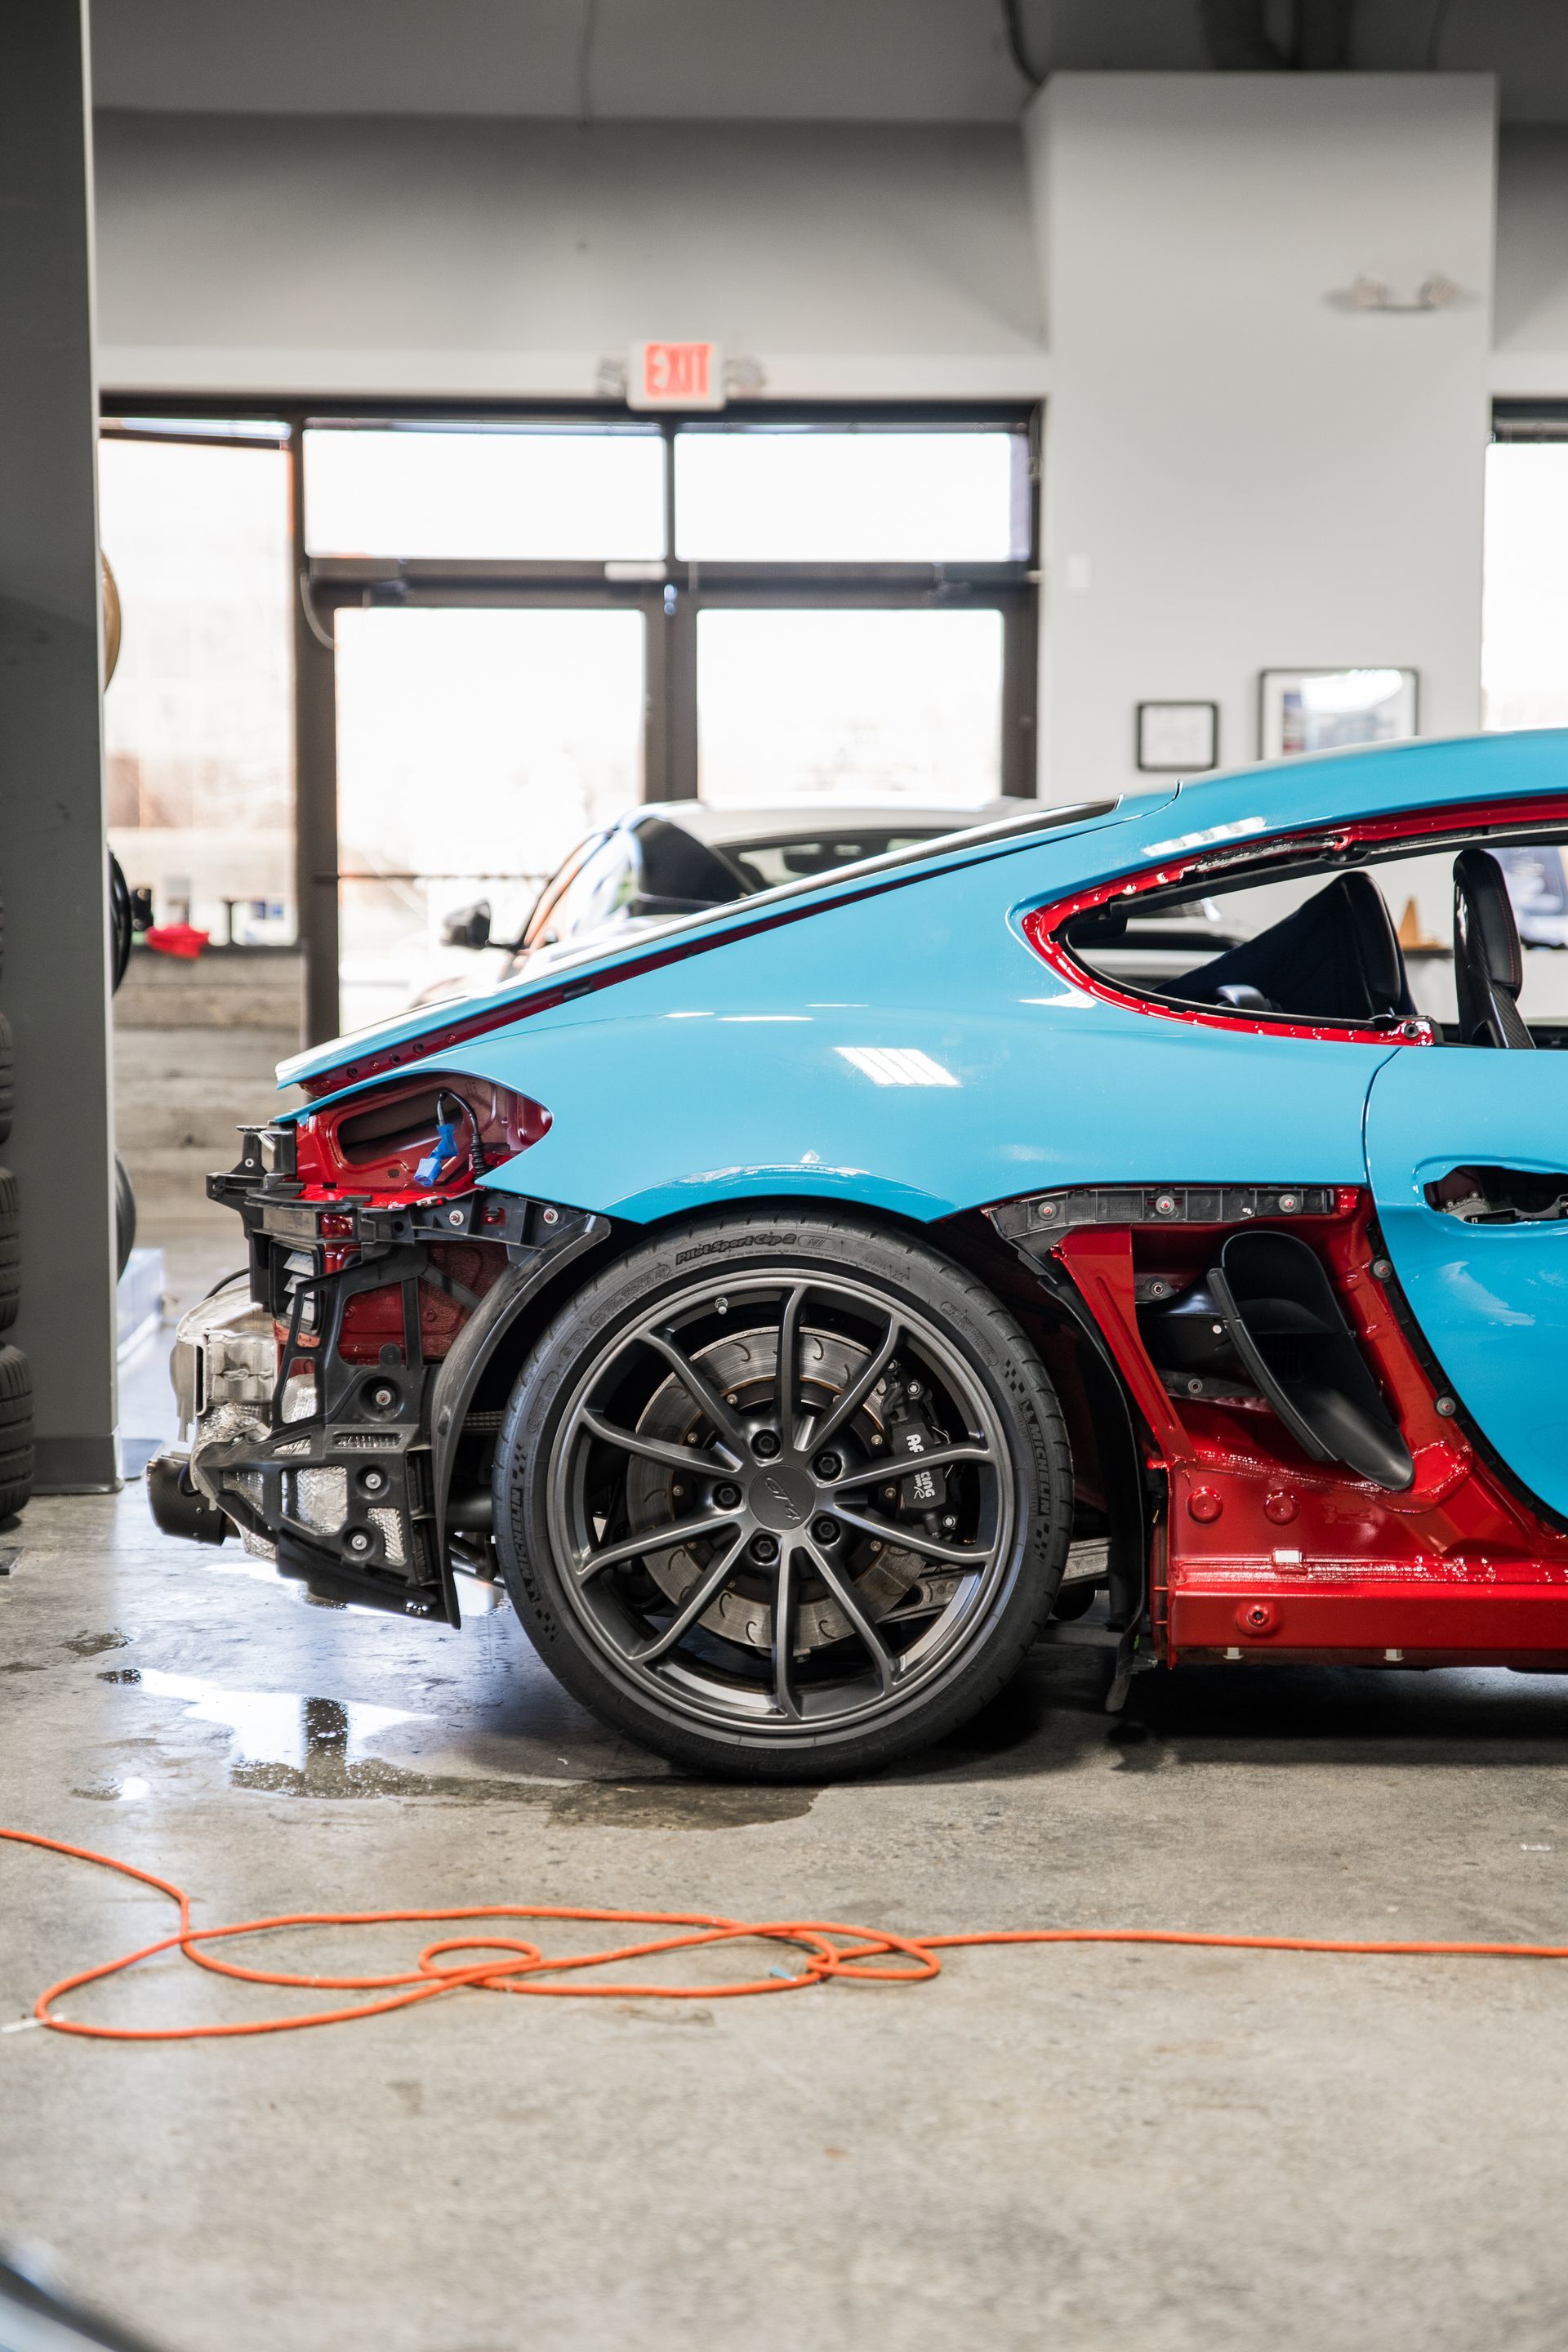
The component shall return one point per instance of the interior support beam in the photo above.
(55, 983)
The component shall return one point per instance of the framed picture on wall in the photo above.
(1178, 737)
(1331, 709)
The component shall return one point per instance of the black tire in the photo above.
(120, 929)
(16, 1430)
(827, 1702)
(10, 1252)
(8, 1085)
(124, 1216)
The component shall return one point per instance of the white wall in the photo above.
(316, 255)
(1241, 472)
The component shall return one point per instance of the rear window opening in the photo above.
(1354, 936)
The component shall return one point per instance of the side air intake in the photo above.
(1269, 1310)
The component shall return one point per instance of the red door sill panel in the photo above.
(1429, 1620)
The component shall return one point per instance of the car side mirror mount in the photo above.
(469, 928)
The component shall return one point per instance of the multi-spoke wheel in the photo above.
(784, 1495)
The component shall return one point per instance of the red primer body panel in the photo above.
(1266, 1554)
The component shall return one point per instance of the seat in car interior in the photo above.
(1488, 956)
(1336, 958)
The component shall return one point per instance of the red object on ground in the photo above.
(176, 940)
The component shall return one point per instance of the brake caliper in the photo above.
(910, 1434)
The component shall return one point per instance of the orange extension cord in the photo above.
(828, 1947)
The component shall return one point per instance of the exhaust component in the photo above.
(179, 1508)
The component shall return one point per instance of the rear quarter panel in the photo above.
(757, 1065)
(909, 1052)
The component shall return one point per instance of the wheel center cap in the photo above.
(780, 1498)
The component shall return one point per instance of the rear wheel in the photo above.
(783, 1496)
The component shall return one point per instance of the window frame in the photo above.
(1379, 840)
(669, 593)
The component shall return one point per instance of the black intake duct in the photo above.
(1272, 1295)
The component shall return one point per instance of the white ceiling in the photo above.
(672, 60)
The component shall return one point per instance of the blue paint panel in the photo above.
(1491, 1300)
(912, 1052)
(1245, 803)
(721, 922)
(908, 1050)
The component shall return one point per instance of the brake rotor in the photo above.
(743, 1367)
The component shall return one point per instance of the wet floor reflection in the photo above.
(292, 1744)
(288, 1741)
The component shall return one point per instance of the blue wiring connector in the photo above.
(446, 1158)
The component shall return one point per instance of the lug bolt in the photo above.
(727, 1498)
(765, 1549)
(825, 1531)
(764, 1446)
(827, 1465)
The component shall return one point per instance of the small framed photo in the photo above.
(1177, 737)
(1332, 709)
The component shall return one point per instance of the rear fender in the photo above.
(911, 1055)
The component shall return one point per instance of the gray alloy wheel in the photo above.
(783, 1496)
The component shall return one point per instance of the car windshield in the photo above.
(794, 857)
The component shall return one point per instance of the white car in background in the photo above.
(681, 857)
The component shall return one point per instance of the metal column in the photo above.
(54, 986)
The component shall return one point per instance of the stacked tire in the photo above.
(15, 1372)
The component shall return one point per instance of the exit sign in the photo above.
(675, 375)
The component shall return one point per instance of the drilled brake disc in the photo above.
(744, 1366)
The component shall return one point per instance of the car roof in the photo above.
(721, 827)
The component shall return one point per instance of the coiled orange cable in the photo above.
(824, 1950)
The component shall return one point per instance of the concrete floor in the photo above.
(1080, 2147)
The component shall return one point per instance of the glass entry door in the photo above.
(839, 709)
(475, 747)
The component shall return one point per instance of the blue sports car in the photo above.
(1135, 1222)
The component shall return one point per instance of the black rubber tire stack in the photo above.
(15, 1372)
